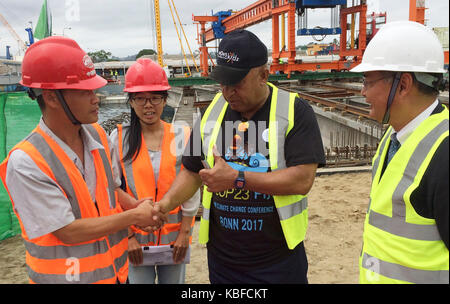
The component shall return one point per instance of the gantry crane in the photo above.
(263, 10)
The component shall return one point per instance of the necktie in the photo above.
(393, 147)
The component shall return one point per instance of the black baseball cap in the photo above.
(239, 51)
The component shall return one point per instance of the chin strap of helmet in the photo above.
(66, 108)
(32, 93)
(394, 86)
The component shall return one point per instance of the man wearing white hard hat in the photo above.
(406, 231)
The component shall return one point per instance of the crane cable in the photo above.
(152, 25)
(185, 38)
(179, 38)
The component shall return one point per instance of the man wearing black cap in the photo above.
(260, 148)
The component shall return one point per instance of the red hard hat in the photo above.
(59, 63)
(144, 76)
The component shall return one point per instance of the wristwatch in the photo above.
(239, 182)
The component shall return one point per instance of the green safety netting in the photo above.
(18, 117)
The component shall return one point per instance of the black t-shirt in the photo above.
(245, 230)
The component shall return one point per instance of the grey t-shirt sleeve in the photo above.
(190, 207)
(38, 199)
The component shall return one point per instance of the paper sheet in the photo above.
(161, 255)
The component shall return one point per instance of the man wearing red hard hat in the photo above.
(59, 177)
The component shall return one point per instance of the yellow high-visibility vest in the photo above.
(399, 245)
(292, 209)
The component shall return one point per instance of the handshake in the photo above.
(148, 215)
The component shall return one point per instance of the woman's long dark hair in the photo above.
(133, 135)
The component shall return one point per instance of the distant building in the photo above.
(10, 74)
(442, 34)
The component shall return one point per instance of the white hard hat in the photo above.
(403, 46)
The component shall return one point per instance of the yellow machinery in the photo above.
(158, 33)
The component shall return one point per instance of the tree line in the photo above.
(102, 55)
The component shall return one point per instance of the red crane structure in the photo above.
(417, 13)
(263, 10)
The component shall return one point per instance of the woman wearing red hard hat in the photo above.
(147, 153)
(60, 177)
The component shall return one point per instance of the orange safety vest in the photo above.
(140, 181)
(48, 259)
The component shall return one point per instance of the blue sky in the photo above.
(124, 27)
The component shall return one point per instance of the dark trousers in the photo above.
(291, 270)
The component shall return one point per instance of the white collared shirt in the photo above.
(405, 132)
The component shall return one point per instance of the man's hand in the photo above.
(138, 202)
(149, 215)
(219, 178)
(127, 201)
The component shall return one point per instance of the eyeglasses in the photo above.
(154, 100)
(367, 83)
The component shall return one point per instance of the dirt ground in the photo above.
(337, 205)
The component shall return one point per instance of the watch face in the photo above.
(239, 184)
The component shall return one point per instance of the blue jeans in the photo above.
(167, 274)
